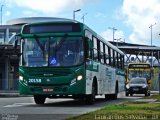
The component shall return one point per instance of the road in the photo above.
(24, 108)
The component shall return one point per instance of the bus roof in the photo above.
(30, 20)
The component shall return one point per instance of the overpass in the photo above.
(139, 53)
(143, 53)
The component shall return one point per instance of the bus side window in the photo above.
(88, 46)
(95, 49)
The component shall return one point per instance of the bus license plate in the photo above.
(47, 90)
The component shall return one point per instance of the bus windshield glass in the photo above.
(140, 73)
(52, 51)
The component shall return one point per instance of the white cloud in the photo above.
(108, 35)
(50, 6)
(8, 13)
(140, 14)
(29, 13)
(100, 15)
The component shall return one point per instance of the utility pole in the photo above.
(83, 17)
(151, 26)
(114, 29)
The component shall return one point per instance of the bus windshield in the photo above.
(140, 73)
(52, 51)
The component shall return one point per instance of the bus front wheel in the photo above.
(39, 99)
(127, 94)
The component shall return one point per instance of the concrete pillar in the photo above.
(7, 36)
(7, 64)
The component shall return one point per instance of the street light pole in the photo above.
(1, 13)
(83, 17)
(151, 26)
(75, 12)
(114, 29)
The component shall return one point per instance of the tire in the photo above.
(114, 96)
(39, 99)
(90, 99)
(107, 97)
(127, 94)
(146, 93)
(131, 94)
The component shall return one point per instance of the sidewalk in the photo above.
(154, 92)
(7, 93)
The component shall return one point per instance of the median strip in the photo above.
(147, 108)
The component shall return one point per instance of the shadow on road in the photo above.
(100, 102)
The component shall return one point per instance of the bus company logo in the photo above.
(48, 80)
(48, 74)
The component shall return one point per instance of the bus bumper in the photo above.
(77, 88)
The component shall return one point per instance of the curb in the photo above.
(13, 95)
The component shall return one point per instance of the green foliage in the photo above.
(128, 111)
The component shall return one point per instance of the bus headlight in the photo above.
(79, 77)
(20, 78)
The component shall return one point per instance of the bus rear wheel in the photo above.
(107, 97)
(39, 99)
(115, 95)
(90, 99)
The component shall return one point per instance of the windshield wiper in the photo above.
(39, 44)
(63, 39)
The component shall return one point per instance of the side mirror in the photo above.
(15, 45)
(17, 38)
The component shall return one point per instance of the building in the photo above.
(8, 58)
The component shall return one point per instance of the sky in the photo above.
(131, 18)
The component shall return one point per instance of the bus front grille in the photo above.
(47, 72)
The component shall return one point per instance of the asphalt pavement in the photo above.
(24, 108)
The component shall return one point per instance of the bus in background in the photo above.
(139, 70)
(63, 59)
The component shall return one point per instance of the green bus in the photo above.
(65, 58)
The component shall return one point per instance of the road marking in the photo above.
(18, 104)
